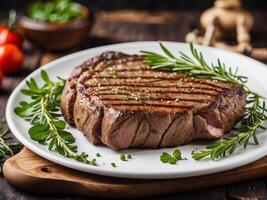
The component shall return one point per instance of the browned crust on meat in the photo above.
(69, 92)
(105, 107)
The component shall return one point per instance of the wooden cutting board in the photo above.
(29, 172)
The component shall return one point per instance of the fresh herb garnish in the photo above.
(196, 66)
(7, 148)
(42, 111)
(98, 155)
(171, 159)
(113, 164)
(59, 11)
(123, 157)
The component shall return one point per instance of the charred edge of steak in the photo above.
(69, 92)
(222, 115)
(122, 124)
(88, 112)
(169, 130)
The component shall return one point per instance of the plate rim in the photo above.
(106, 171)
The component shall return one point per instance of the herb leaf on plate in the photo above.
(171, 159)
(43, 112)
(196, 66)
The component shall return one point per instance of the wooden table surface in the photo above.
(122, 26)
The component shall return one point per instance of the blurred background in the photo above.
(116, 21)
(141, 4)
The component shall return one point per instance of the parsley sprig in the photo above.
(255, 114)
(42, 111)
(171, 159)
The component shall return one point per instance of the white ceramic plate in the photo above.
(145, 163)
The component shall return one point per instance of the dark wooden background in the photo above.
(141, 4)
(113, 26)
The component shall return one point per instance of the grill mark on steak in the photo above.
(152, 86)
(137, 73)
(149, 108)
(181, 104)
(69, 91)
(92, 82)
(204, 109)
(154, 89)
(155, 96)
(190, 106)
(117, 98)
(157, 78)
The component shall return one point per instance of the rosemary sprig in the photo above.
(43, 113)
(7, 148)
(196, 66)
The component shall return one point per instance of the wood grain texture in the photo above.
(116, 29)
(31, 173)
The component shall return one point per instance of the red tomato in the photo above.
(1, 78)
(11, 58)
(8, 36)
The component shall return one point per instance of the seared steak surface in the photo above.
(117, 100)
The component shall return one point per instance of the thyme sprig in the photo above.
(7, 147)
(255, 113)
(42, 111)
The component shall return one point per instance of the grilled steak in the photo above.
(117, 100)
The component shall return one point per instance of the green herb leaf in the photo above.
(177, 154)
(171, 159)
(45, 77)
(123, 157)
(43, 113)
(39, 132)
